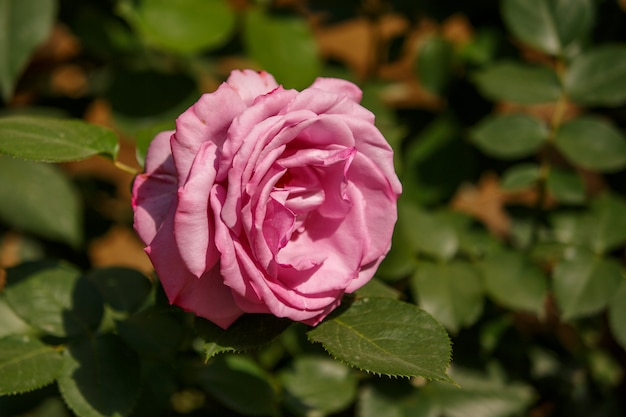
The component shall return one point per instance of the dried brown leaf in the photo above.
(457, 29)
(69, 80)
(485, 202)
(119, 247)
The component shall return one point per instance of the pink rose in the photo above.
(266, 200)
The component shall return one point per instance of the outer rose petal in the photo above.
(339, 86)
(206, 296)
(251, 84)
(371, 187)
(372, 144)
(207, 120)
(160, 153)
(153, 191)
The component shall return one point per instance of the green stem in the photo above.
(125, 168)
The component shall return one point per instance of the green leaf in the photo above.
(434, 64)
(617, 315)
(426, 232)
(584, 284)
(192, 25)
(250, 331)
(566, 186)
(482, 47)
(548, 252)
(596, 76)
(520, 176)
(292, 58)
(478, 395)
(224, 378)
(158, 386)
(604, 368)
(451, 292)
(10, 323)
(26, 364)
(570, 228)
(319, 385)
(51, 407)
(509, 136)
(48, 139)
(474, 240)
(426, 176)
(549, 25)
(388, 337)
(514, 281)
(394, 398)
(152, 334)
(39, 199)
(592, 143)
(54, 298)
(605, 224)
(377, 288)
(101, 377)
(518, 83)
(25, 25)
(124, 289)
(399, 261)
(601, 228)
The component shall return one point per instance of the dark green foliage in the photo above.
(511, 231)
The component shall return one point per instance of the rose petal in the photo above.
(329, 169)
(323, 102)
(323, 132)
(208, 297)
(314, 321)
(251, 84)
(159, 154)
(265, 136)
(279, 302)
(248, 283)
(242, 127)
(154, 190)
(254, 213)
(365, 275)
(193, 222)
(225, 242)
(166, 259)
(152, 201)
(343, 242)
(371, 143)
(368, 184)
(277, 225)
(339, 86)
(207, 120)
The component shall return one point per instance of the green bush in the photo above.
(507, 120)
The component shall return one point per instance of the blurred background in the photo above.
(518, 250)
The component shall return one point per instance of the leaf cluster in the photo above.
(503, 293)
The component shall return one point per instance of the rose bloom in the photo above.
(266, 200)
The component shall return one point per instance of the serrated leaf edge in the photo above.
(355, 366)
(38, 386)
